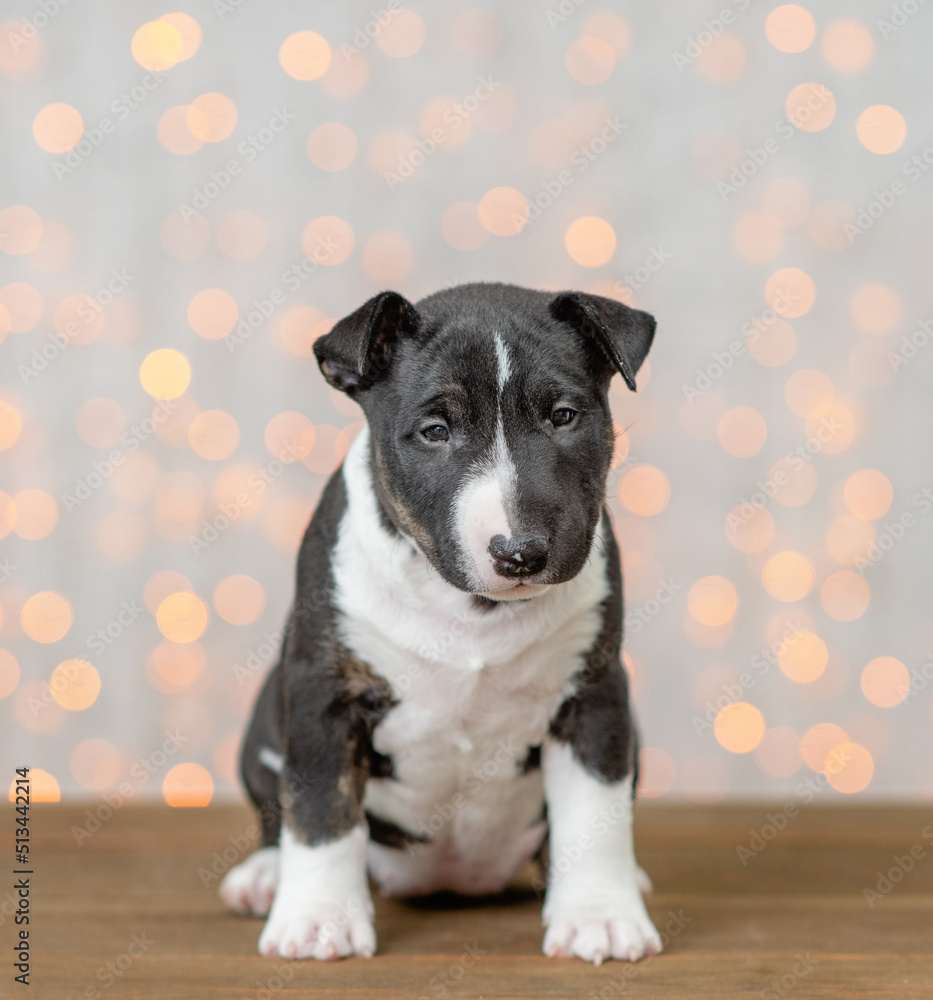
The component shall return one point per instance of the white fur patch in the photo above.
(322, 907)
(271, 760)
(476, 689)
(249, 887)
(593, 907)
(503, 362)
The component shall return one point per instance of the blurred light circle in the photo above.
(189, 30)
(177, 666)
(461, 226)
(157, 45)
(868, 494)
(213, 434)
(285, 522)
(590, 60)
(712, 600)
(811, 107)
(750, 527)
(182, 617)
(446, 123)
(332, 146)
(655, 773)
(778, 753)
(845, 595)
(817, 743)
(188, 786)
(834, 425)
(42, 787)
(885, 681)
(22, 305)
(21, 58)
(298, 329)
(322, 456)
(739, 727)
(95, 764)
(211, 117)
(20, 230)
(790, 292)
(173, 132)
(742, 431)
(403, 35)
(772, 344)
(11, 424)
(503, 211)
(875, 308)
(173, 428)
(788, 576)
(802, 657)
(611, 28)
(239, 599)
(346, 77)
(387, 258)
(165, 373)
(54, 250)
(849, 539)
(46, 616)
(57, 128)
(35, 514)
(212, 313)
(849, 768)
(476, 33)
(847, 46)
(289, 436)
(790, 28)
(329, 240)
(160, 585)
(881, 129)
(75, 684)
(9, 673)
(79, 318)
(100, 422)
(723, 60)
(590, 241)
(305, 55)
(241, 235)
(644, 490)
(808, 390)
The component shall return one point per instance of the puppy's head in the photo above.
(491, 433)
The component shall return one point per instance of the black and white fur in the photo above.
(450, 701)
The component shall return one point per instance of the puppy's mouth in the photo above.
(519, 591)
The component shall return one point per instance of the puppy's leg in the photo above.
(322, 907)
(593, 906)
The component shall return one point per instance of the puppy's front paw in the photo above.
(314, 928)
(249, 888)
(616, 928)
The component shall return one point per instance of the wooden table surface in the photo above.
(793, 921)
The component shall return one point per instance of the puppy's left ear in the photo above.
(358, 350)
(623, 335)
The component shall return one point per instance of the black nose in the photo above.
(518, 556)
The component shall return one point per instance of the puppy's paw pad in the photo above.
(625, 933)
(249, 888)
(321, 932)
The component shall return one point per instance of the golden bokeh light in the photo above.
(847, 46)
(403, 35)
(214, 435)
(42, 787)
(712, 600)
(189, 30)
(845, 595)
(818, 742)
(157, 45)
(849, 539)
(165, 373)
(802, 657)
(332, 146)
(75, 684)
(739, 727)
(176, 666)
(443, 122)
(57, 128)
(387, 258)
(79, 319)
(11, 424)
(790, 28)
(835, 424)
(590, 60)
(811, 107)
(849, 768)
(346, 77)
(211, 117)
(299, 328)
(881, 129)
(188, 786)
(503, 211)
(9, 673)
(656, 771)
(868, 494)
(329, 240)
(20, 230)
(758, 236)
(35, 514)
(590, 241)
(790, 292)
(807, 390)
(173, 429)
(788, 576)
(461, 226)
(212, 313)
(885, 681)
(773, 343)
(95, 763)
(305, 55)
(610, 28)
(289, 436)
(173, 132)
(54, 250)
(778, 753)
(644, 490)
(100, 422)
(239, 599)
(22, 305)
(750, 527)
(875, 308)
(46, 617)
(742, 431)
(182, 617)
(21, 58)
(121, 535)
(723, 60)
(160, 585)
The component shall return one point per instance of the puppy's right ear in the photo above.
(358, 350)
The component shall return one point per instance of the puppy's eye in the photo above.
(436, 432)
(563, 416)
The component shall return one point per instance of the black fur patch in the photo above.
(389, 835)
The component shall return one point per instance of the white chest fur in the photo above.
(476, 688)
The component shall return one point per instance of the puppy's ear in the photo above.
(358, 350)
(621, 334)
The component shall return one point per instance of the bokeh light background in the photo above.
(190, 196)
